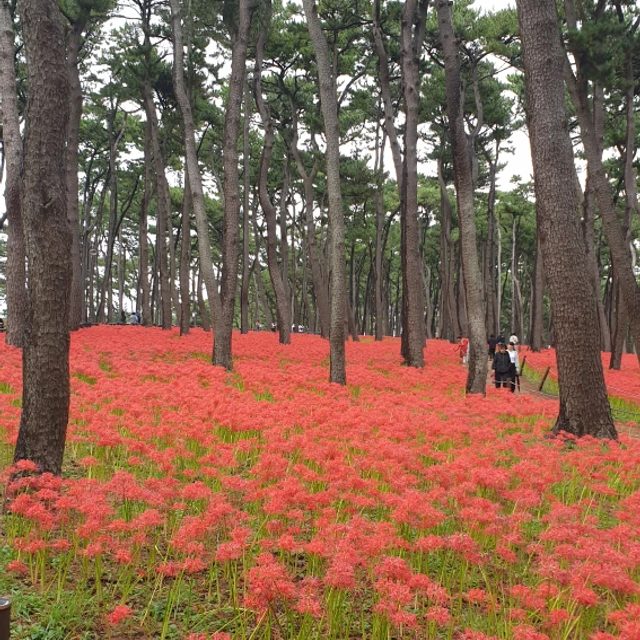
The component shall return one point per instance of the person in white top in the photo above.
(514, 372)
(514, 339)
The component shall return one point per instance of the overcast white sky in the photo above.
(518, 163)
(494, 5)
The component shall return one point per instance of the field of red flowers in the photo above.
(623, 384)
(269, 504)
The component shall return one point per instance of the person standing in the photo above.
(514, 369)
(502, 366)
(463, 349)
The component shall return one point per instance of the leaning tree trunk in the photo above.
(584, 406)
(222, 355)
(16, 293)
(337, 269)
(277, 275)
(413, 329)
(163, 205)
(463, 174)
(616, 238)
(191, 158)
(45, 355)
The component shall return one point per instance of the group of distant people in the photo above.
(133, 318)
(505, 361)
(295, 328)
(503, 356)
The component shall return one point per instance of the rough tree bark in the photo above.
(337, 269)
(45, 355)
(463, 175)
(412, 32)
(222, 354)
(16, 293)
(584, 406)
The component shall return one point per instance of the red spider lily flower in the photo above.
(120, 613)
(18, 567)
(440, 615)
(268, 582)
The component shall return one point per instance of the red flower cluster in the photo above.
(393, 505)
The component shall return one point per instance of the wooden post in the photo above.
(5, 618)
(544, 378)
(524, 361)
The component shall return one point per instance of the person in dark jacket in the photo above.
(502, 367)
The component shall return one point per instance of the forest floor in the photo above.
(268, 504)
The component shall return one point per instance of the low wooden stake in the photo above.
(544, 378)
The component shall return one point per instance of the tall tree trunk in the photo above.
(584, 406)
(283, 308)
(413, 331)
(15, 267)
(337, 270)
(537, 298)
(143, 242)
(588, 219)
(618, 246)
(106, 287)
(289, 291)
(45, 355)
(257, 272)
(191, 158)
(463, 173)
(379, 251)
(449, 321)
(246, 167)
(516, 292)
(490, 282)
(185, 259)
(205, 317)
(318, 275)
(74, 43)
(122, 264)
(620, 328)
(163, 206)
(222, 355)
